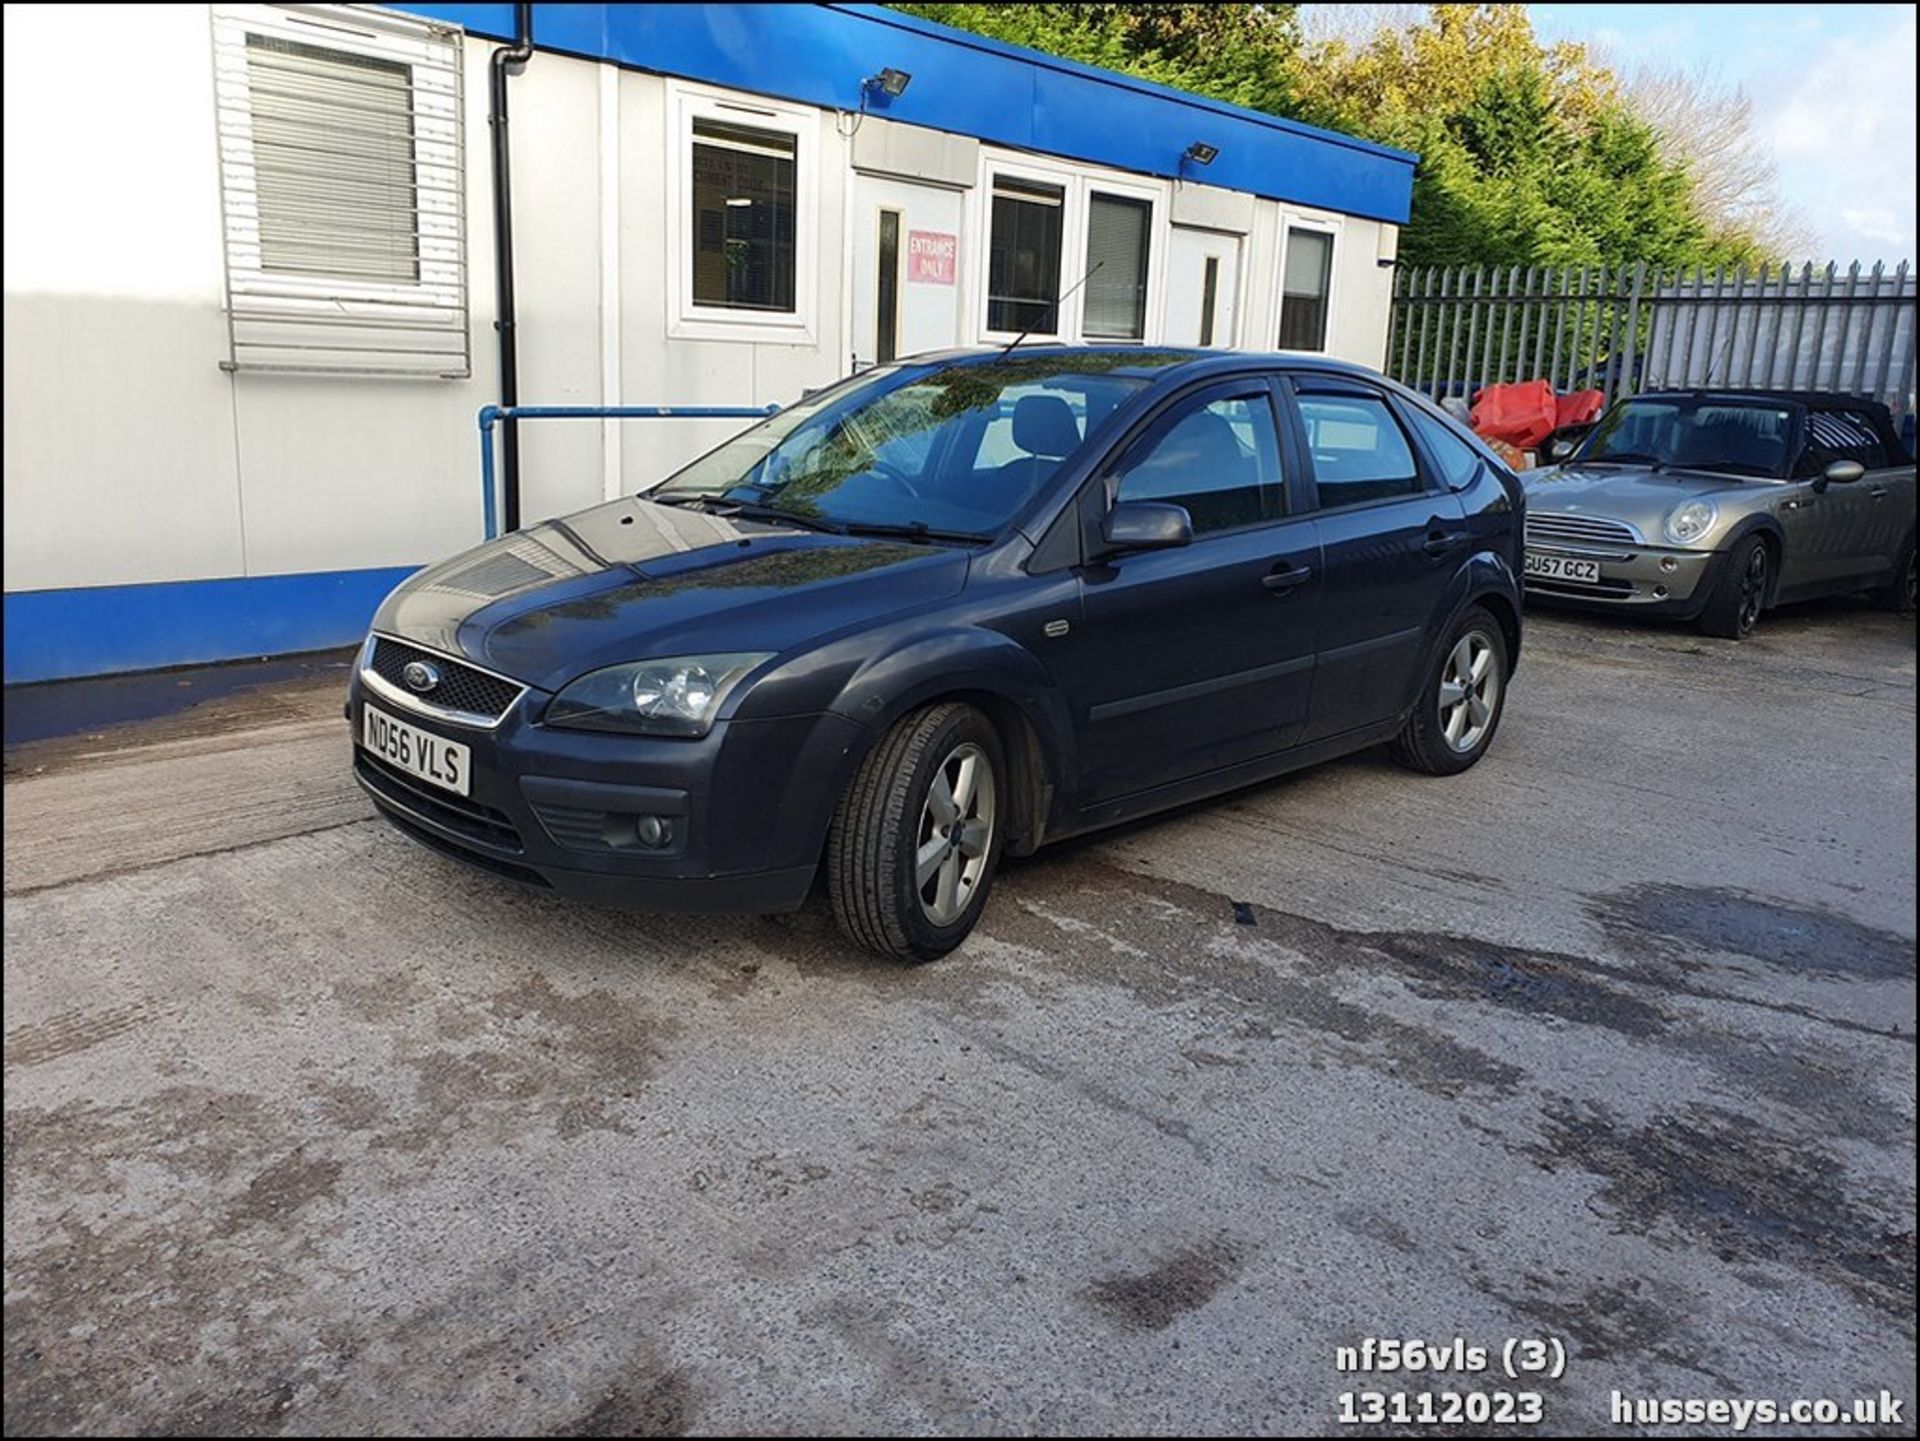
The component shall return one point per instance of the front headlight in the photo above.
(678, 696)
(1690, 520)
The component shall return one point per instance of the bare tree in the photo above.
(1707, 127)
(1355, 25)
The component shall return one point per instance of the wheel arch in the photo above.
(997, 677)
(1503, 609)
(1769, 531)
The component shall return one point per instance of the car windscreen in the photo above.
(958, 448)
(1696, 433)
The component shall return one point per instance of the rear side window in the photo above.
(1221, 460)
(1458, 462)
(1840, 435)
(1359, 451)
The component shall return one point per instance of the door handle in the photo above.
(1284, 578)
(1879, 492)
(1439, 542)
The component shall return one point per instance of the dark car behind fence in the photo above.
(1631, 328)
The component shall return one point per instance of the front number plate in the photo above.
(433, 758)
(1559, 567)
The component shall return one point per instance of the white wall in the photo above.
(131, 456)
(119, 454)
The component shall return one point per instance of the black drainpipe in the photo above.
(507, 61)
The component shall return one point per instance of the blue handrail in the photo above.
(491, 415)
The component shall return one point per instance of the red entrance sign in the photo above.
(931, 257)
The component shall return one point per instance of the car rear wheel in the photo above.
(916, 837)
(1461, 699)
(1741, 592)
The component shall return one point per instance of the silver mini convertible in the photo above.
(1712, 506)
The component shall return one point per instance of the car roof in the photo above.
(1812, 399)
(1149, 362)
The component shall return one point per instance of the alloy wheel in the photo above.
(1469, 691)
(955, 834)
(1753, 589)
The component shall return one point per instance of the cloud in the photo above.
(1840, 118)
(1880, 224)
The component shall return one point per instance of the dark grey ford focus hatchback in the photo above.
(939, 614)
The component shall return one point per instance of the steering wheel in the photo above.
(887, 470)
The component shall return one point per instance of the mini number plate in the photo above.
(1560, 567)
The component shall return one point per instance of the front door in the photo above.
(1200, 657)
(906, 268)
(1203, 279)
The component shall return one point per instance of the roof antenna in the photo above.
(1052, 310)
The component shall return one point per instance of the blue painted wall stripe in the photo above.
(103, 630)
(970, 85)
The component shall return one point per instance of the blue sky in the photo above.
(1833, 91)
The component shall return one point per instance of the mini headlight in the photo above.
(1690, 520)
(678, 696)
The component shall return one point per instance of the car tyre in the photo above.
(1897, 595)
(1740, 594)
(1462, 696)
(917, 835)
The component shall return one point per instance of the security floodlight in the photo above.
(1201, 153)
(889, 82)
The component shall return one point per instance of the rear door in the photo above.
(1391, 534)
(1199, 657)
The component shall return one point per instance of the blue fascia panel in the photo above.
(110, 629)
(969, 85)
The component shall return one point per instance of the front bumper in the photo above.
(1647, 580)
(746, 806)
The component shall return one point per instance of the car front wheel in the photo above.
(1460, 699)
(916, 837)
(1740, 594)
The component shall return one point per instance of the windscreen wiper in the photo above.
(914, 530)
(750, 510)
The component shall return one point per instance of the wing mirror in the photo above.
(1147, 525)
(1841, 472)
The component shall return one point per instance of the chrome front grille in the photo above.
(1550, 529)
(460, 692)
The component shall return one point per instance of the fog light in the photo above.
(654, 831)
(1659, 592)
(1669, 563)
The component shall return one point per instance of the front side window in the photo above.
(1118, 228)
(1685, 432)
(745, 216)
(1221, 460)
(956, 448)
(1023, 257)
(1359, 451)
(1303, 291)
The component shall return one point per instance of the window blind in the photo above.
(1117, 240)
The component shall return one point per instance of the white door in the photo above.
(1203, 288)
(906, 268)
